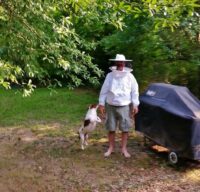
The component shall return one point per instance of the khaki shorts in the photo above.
(118, 116)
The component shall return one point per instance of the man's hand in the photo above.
(134, 111)
(102, 111)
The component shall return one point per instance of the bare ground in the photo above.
(36, 162)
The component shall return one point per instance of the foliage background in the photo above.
(67, 43)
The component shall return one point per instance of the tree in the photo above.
(41, 42)
(53, 42)
(160, 37)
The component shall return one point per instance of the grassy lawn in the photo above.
(61, 105)
(40, 150)
(52, 113)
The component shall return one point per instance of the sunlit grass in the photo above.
(64, 106)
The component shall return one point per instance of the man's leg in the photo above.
(111, 141)
(124, 144)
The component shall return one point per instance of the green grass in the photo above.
(65, 106)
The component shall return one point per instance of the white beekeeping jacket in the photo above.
(119, 88)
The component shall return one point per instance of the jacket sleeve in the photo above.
(134, 92)
(104, 90)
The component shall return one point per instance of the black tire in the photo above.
(173, 158)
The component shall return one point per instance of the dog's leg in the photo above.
(86, 139)
(82, 136)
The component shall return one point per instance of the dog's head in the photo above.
(92, 113)
(93, 106)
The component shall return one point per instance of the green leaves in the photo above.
(9, 74)
(58, 43)
(159, 35)
(41, 38)
(167, 14)
(28, 88)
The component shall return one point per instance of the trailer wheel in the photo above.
(173, 158)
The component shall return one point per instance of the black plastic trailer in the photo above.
(169, 115)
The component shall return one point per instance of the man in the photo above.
(119, 99)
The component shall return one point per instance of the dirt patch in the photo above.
(35, 162)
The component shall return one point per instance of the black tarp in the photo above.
(170, 116)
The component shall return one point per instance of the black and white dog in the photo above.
(89, 124)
